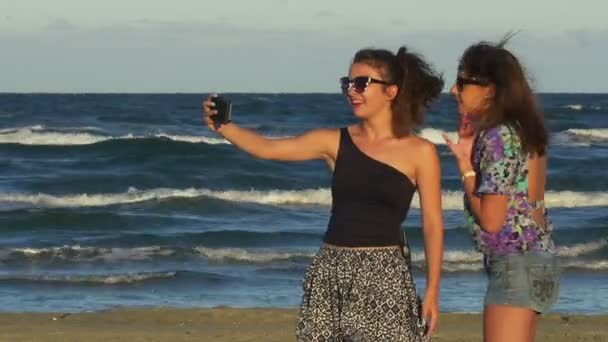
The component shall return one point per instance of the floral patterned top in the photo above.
(502, 168)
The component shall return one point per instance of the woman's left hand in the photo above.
(430, 312)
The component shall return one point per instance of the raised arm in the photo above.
(315, 144)
(488, 195)
(428, 178)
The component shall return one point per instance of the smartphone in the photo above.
(224, 110)
(422, 324)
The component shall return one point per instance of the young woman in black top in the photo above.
(359, 286)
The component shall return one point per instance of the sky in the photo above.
(200, 46)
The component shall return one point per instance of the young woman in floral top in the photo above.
(502, 158)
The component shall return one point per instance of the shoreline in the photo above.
(247, 324)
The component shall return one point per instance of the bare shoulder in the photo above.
(422, 147)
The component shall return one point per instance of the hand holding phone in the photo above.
(224, 110)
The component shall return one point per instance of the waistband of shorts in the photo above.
(524, 255)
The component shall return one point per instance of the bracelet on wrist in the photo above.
(467, 174)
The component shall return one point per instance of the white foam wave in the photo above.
(452, 200)
(592, 133)
(112, 279)
(193, 139)
(243, 255)
(595, 265)
(462, 267)
(581, 248)
(88, 253)
(576, 107)
(436, 135)
(581, 137)
(40, 135)
(571, 137)
(27, 136)
(31, 128)
(453, 256)
(272, 197)
(71, 136)
(454, 260)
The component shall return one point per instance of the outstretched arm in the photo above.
(428, 176)
(315, 144)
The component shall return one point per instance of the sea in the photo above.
(128, 201)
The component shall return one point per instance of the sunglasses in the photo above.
(462, 81)
(359, 84)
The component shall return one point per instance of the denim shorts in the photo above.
(529, 280)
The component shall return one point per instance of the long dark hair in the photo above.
(419, 85)
(514, 102)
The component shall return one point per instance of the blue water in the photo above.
(127, 200)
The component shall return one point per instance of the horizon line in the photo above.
(244, 92)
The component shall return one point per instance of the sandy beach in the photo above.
(227, 324)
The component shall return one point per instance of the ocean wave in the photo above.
(581, 248)
(271, 197)
(35, 136)
(575, 137)
(572, 137)
(73, 136)
(454, 260)
(593, 265)
(191, 139)
(452, 200)
(250, 256)
(31, 128)
(69, 136)
(581, 137)
(84, 253)
(107, 279)
(592, 133)
(575, 107)
(77, 253)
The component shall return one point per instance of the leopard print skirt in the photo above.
(360, 295)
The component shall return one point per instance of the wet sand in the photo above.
(227, 324)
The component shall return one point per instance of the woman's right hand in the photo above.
(466, 128)
(208, 112)
(462, 151)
